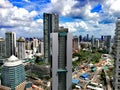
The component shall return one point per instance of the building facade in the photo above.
(41, 47)
(97, 42)
(50, 24)
(75, 44)
(117, 56)
(21, 48)
(93, 41)
(61, 66)
(13, 73)
(35, 43)
(108, 43)
(2, 48)
(10, 39)
(27, 45)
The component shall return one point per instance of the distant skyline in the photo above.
(25, 17)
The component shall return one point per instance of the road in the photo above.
(108, 81)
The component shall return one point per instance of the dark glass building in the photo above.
(50, 24)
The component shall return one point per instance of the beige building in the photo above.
(21, 48)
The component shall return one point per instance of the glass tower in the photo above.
(13, 72)
(51, 24)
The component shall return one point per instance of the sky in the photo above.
(81, 17)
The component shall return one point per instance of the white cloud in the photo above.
(26, 0)
(69, 8)
(5, 4)
(18, 20)
(75, 26)
(22, 21)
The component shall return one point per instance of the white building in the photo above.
(97, 43)
(61, 65)
(21, 48)
(117, 56)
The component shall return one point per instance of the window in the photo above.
(118, 80)
(118, 87)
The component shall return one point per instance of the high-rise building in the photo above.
(21, 48)
(40, 47)
(92, 41)
(27, 45)
(13, 73)
(35, 43)
(117, 56)
(61, 65)
(108, 43)
(102, 38)
(75, 43)
(50, 24)
(2, 48)
(80, 38)
(97, 43)
(10, 39)
(87, 39)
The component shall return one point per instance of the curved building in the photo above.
(13, 72)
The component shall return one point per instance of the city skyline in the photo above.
(25, 17)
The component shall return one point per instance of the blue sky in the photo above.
(25, 17)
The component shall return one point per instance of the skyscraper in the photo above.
(40, 47)
(13, 73)
(108, 43)
(10, 38)
(2, 48)
(27, 45)
(51, 24)
(97, 43)
(75, 43)
(87, 39)
(80, 38)
(21, 48)
(117, 56)
(35, 43)
(93, 41)
(61, 66)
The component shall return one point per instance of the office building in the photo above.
(80, 38)
(27, 45)
(102, 38)
(13, 73)
(75, 43)
(41, 47)
(10, 38)
(2, 48)
(117, 56)
(35, 43)
(87, 39)
(21, 48)
(61, 66)
(50, 24)
(92, 41)
(97, 43)
(108, 43)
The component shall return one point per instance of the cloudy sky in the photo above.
(25, 17)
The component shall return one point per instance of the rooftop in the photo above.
(12, 61)
(21, 39)
(75, 81)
